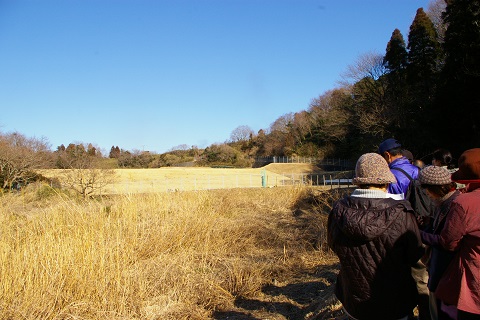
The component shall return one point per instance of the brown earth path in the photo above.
(308, 294)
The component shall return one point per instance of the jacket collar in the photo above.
(399, 162)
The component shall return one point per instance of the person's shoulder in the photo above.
(410, 168)
(389, 203)
(342, 202)
(415, 170)
(468, 197)
(401, 163)
(402, 204)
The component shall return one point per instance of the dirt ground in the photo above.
(308, 294)
(309, 297)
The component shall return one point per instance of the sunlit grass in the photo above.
(156, 256)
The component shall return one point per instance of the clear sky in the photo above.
(155, 74)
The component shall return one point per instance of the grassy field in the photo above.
(174, 178)
(252, 253)
(204, 178)
(145, 254)
(170, 179)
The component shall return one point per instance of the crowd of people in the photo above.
(394, 259)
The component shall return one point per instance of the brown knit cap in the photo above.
(372, 168)
(468, 167)
(434, 175)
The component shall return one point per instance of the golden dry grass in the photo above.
(202, 178)
(171, 179)
(180, 255)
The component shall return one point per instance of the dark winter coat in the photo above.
(439, 258)
(377, 242)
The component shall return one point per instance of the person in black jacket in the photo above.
(377, 241)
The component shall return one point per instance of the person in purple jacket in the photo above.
(403, 170)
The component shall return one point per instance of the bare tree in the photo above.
(241, 133)
(302, 125)
(330, 116)
(88, 181)
(368, 87)
(181, 147)
(368, 65)
(83, 171)
(282, 123)
(280, 140)
(20, 157)
(435, 10)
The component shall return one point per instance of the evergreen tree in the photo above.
(91, 150)
(395, 59)
(458, 105)
(423, 54)
(395, 62)
(422, 77)
(114, 152)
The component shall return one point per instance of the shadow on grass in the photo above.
(295, 301)
(309, 294)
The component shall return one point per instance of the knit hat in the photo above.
(371, 168)
(433, 175)
(388, 144)
(468, 167)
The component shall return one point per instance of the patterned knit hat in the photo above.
(433, 175)
(371, 168)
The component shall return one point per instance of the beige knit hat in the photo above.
(372, 168)
(434, 175)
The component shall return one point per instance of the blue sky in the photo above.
(152, 75)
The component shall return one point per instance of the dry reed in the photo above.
(179, 255)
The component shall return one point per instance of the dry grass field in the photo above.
(251, 253)
(182, 179)
(204, 178)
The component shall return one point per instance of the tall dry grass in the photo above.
(158, 256)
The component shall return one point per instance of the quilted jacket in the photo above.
(377, 241)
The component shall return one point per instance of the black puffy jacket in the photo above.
(377, 241)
